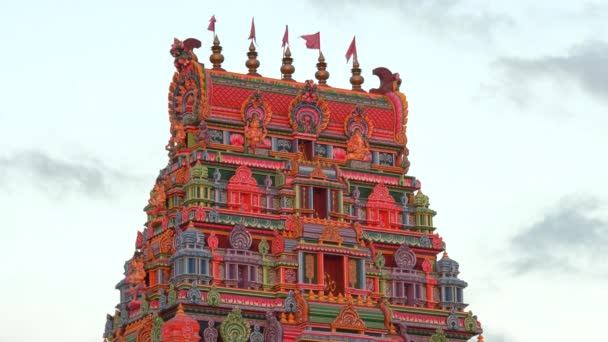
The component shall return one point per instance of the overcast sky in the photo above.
(507, 132)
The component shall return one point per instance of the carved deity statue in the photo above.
(158, 196)
(136, 274)
(307, 125)
(358, 147)
(255, 133)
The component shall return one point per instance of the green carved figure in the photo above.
(156, 328)
(172, 298)
(263, 248)
(213, 296)
(380, 261)
(117, 322)
(145, 306)
(470, 322)
(235, 328)
(438, 336)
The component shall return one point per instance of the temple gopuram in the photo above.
(286, 213)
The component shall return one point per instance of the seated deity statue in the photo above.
(255, 134)
(136, 274)
(358, 147)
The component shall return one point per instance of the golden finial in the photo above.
(180, 310)
(480, 338)
(356, 79)
(252, 63)
(322, 75)
(216, 57)
(287, 69)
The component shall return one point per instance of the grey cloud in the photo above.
(443, 17)
(585, 64)
(55, 176)
(563, 240)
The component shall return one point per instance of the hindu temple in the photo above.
(286, 213)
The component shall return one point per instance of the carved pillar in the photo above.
(215, 268)
(361, 273)
(298, 201)
(301, 277)
(346, 274)
(320, 268)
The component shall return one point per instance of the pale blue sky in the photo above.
(507, 123)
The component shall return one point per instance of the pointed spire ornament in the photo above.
(356, 79)
(252, 63)
(287, 69)
(216, 57)
(322, 74)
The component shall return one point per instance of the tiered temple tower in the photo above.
(286, 213)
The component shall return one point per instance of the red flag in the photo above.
(313, 41)
(352, 50)
(211, 26)
(252, 32)
(286, 37)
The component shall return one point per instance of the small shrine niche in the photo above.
(308, 114)
(407, 283)
(242, 264)
(382, 211)
(243, 191)
(256, 115)
(191, 259)
(358, 128)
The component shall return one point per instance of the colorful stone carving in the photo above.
(309, 114)
(294, 219)
(234, 328)
(210, 333)
(213, 296)
(240, 238)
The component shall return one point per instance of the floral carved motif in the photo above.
(348, 319)
(307, 112)
(240, 237)
(404, 257)
(331, 234)
(235, 328)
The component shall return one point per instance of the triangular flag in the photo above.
(313, 41)
(211, 26)
(285, 37)
(352, 50)
(252, 32)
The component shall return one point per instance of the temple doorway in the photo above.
(319, 201)
(333, 274)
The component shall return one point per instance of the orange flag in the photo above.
(252, 32)
(352, 51)
(313, 41)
